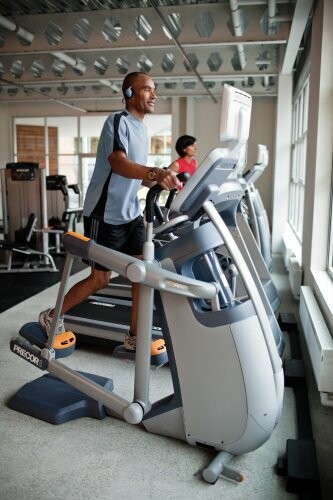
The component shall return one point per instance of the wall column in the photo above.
(280, 193)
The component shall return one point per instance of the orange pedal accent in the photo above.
(77, 235)
(157, 347)
(64, 340)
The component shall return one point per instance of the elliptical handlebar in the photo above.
(151, 202)
(152, 206)
(182, 177)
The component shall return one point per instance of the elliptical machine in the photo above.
(254, 208)
(226, 371)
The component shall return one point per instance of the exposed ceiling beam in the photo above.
(300, 19)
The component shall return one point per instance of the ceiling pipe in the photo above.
(271, 16)
(165, 23)
(22, 33)
(71, 61)
(236, 24)
(113, 86)
(265, 81)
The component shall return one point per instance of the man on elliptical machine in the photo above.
(112, 215)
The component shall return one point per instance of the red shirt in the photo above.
(185, 166)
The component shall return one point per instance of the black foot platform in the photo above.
(299, 463)
(52, 400)
(159, 355)
(34, 333)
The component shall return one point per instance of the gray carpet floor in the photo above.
(110, 459)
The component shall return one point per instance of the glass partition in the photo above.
(67, 145)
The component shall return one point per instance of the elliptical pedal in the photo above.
(64, 343)
(159, 355)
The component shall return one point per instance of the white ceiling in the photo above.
(77, 52)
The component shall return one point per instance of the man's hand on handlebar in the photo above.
(167, 179)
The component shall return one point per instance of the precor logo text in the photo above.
(26, 354)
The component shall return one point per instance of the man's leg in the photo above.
(78, 293)
(81, 290)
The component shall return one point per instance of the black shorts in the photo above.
(126, 238)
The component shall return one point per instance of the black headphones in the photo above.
(128, 93)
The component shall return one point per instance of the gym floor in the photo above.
(110, 459)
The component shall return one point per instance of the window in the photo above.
(298, 160)
(330, 251)
(69, 148)
(64, 158)
(159, 130)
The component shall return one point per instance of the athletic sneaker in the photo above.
(130, 343)
(157, 346)
(45, 321)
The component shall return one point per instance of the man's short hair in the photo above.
(130, 80)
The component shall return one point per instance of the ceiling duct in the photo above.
(113, 86)
(77, 64)
(272, 25)
(25, 36)
(238, 27)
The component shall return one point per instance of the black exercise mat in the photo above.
(17, 287)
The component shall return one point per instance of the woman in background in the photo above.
(186, 148)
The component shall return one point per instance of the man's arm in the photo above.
(121, 165)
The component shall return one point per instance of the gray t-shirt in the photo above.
(111, 197)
